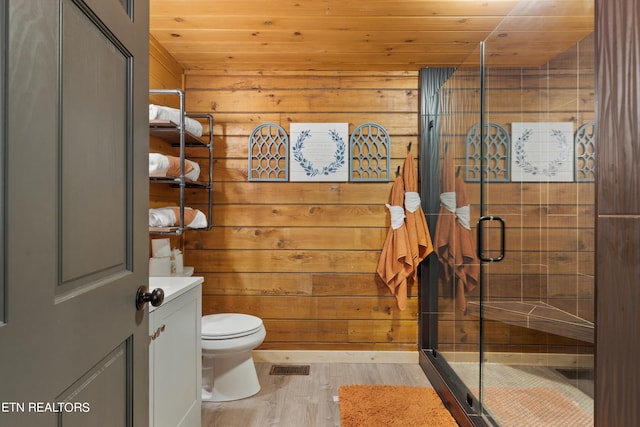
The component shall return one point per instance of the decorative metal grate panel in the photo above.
(268, 153)
(497, 153)
(369, 154)
(585, 145)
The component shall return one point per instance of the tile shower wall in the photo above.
(552, 232)
(550, 229)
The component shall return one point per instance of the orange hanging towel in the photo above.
(417, 229)
(467, 264)
(395, 264)
(444, 239)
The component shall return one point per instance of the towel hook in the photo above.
(409, 148)
(398, 171)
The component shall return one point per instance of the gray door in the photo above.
(73, 347)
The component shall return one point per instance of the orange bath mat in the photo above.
(392, 406)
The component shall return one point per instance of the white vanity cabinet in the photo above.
(175, 363)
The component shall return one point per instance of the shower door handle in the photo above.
(480, 230)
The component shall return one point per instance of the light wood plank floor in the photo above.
(305, 400)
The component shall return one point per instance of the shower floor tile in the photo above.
(532, 390)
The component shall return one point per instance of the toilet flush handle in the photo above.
(155, 297)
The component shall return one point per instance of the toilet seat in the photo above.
(224, 326)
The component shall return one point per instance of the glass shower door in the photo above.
(453, 335)
(536, 228)
(509, 161)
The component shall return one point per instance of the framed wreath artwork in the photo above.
(319, 152)
(542, 152)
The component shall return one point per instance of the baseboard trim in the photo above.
(334, 356)
(341, 356)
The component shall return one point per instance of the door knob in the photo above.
(155, 297)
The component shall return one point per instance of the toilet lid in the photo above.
(229, 325)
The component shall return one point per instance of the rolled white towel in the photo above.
(161, 165)
(195, 173)
(158, 165)
(160, 112)
(170, 216)
(162, 217)
(200, 220)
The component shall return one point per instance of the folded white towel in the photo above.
(159, 112)
(411, 201)
(160, 165)
(463, 214)
(448, 200)
(397, 216)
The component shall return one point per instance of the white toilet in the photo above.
(228, 372)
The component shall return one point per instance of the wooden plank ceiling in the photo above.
(373, 35)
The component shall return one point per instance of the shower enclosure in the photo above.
(508, 184)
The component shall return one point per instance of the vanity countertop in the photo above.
(173, 287)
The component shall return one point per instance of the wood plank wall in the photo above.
(302, 256)
(164, 73)
(550, 232)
